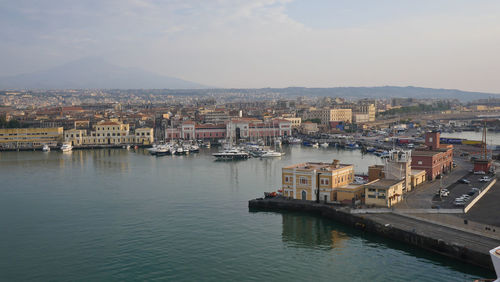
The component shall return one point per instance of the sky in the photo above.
(264, 43)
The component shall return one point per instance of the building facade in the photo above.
(436, 159)
(328, 115)
(236, 129)
(17, 138)
(384, 192)
(302, 181)
(109, 133)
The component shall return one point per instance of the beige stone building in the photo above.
(328, 115)
(384, 192)
(302, 181)
(109, 133)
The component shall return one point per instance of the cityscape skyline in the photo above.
(443, 44)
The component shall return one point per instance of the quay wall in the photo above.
(443, 246)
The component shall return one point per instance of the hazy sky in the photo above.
(265, 43)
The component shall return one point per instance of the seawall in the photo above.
(456, 244)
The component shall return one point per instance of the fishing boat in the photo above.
(351, 146)
(324, 145)
(46, 148)
(370, 149)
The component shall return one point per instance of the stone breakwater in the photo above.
(460, 245)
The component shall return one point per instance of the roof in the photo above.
(350, 187)
(108, 123)
(426, 153)
(384, 183)
(317, 166)
(210, 126)
(417, 171)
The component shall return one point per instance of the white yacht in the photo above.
(46, 148)
(66, 147)
(271, 154)
(324, 145)
(231, 154)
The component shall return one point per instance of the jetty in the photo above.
(452, 242)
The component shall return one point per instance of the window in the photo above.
(371, 196)
(419, 162)
(287, 179)
(303, 180)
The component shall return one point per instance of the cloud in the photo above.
(261, 43)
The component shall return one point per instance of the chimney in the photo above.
(432, 140)
(335, 163)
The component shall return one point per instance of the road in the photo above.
(421, 196)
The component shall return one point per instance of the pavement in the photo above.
(487, 209)
(458, 237)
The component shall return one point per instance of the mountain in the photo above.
(387, 92)
(94, 73)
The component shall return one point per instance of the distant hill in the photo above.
(94, 73)
(387, 92)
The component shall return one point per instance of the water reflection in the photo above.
(311, 232)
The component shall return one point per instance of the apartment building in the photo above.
(14, 138)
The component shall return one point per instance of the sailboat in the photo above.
(271, 153)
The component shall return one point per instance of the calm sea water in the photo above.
(125, 215)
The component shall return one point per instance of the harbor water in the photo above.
(116, 214)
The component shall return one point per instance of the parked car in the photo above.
(459, 203)
(471, 193)
(464, 181)
(475, 189)
(484, 179)
(479, 172)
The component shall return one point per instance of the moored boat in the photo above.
(231, 154)
(66, 147)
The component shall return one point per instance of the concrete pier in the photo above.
(458, 244)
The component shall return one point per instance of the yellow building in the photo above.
(417, 177)
(13, 138)
(109, 133)
(144, 136)
(384, 192)
(301, 181)
(296, 121)
(350, 193)
(328, 115)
